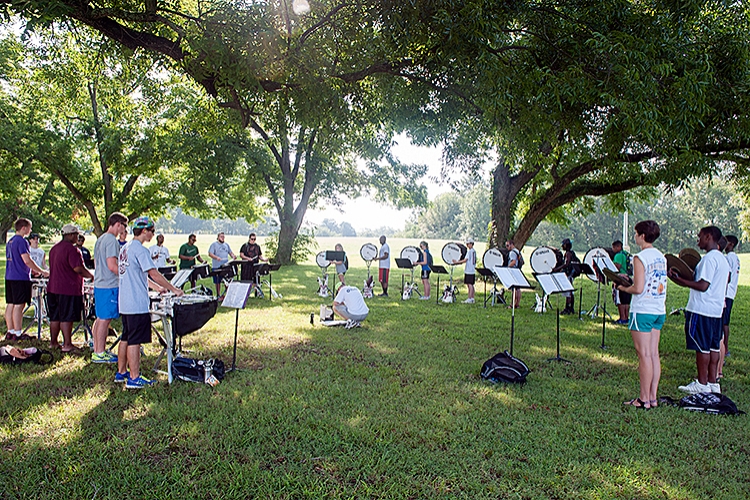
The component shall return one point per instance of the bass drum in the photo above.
(544, 259)
(591, 256)
(411, 253)
(453, 251)
(493, 257)
(320, 259)
(368, 252)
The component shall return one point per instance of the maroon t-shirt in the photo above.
(63, 280)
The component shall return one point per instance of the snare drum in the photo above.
(320, 259)
(411, 253)
(453, 251)
(368, 252)
(493, 257)
(594, 255)
(544, 259)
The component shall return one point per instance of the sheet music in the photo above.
(512, 277)
(181, 277)
(236, 296)
(603, 261)
(554, 283)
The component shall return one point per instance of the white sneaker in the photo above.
(695, 387)
(469, 301)
(715, 387)
(424, 297)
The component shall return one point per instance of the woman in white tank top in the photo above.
(647, 311)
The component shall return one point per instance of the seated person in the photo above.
(350, 305)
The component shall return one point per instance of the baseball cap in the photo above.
(469, 240)
(143, 223)
(34, 236)
(70, 229)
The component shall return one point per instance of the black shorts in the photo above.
(426, 274)
(728, 303)
(17, 292)
(469, 279)
(64, 308)
(136, 328)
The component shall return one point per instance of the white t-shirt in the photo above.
(160, 255)
(134, 263)
(714, 269)
(654, 295)
(352, 298)
(734, 268)
(471, 261)
(385, 263)
(37, 255)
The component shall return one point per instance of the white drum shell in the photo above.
(411, 253)
(320, 259)
(368, 252)
(544, 259)
(589, 258)
(453, 251)
(493, 257)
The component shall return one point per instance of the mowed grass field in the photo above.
(395, 409)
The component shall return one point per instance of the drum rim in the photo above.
(487, 251)
(323, 252)
(531, 258)
(368, 245)
(460, 245)
(401, 253)
(595, 278)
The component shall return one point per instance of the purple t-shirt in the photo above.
(15, 267)
(63, 280)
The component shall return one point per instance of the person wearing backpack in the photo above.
(622, 299)
(425, 262)
(341, 265)
(571, 271)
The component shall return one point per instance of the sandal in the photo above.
(654, 403)
(637, 403)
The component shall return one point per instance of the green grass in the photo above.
(395, 409)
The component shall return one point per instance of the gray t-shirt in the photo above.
(106, 246)
(134, 264)
(221, 250)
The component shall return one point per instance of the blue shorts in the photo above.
(703, 334)
(728, 303)
(640, 322)
(105, 303)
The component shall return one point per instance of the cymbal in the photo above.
(690, 256)
(619, 279)
(679, 266)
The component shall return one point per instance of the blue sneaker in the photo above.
(138, 383)
(105, 357)
(121, 378)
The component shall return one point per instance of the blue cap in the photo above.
(143, 223)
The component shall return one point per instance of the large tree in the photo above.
(305, 86)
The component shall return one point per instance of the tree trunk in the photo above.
(502, 205)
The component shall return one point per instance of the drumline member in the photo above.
(136, 267)
(514, 260)
(37, 254)
(622, 299)
(106, 285)
(569, 258)
(384, 265)
(188, 254)
(122, 236)
(425, 263)
(219, 251)
(350, 305)
(704, 311)
(648, 312)
(734, 269)
(251, 252)
(18, 269)
(65, 288)
(341, 265)
(470, 269)
(87, 260)
(160, 253)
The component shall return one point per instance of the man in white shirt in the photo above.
(350, 305)
(734, 277)
(704, 311)
(384, 265)
(160, 253)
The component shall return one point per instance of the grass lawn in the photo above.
(395, 409)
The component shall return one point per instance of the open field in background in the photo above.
(394, 409)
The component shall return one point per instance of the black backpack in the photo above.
(503, 367)
(708, 402)
(194, 370)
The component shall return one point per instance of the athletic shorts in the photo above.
(383, 274)
(469, 279)
(343, 311)
(136, 328)
(216, 279)
(640, 322)
(703, 334)
(17, 292)
(728, 303)
(621, 298)
(426, 274)
(64, 308)
(105, 303)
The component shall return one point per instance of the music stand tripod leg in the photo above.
(558, 357)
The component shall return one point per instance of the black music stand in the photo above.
(198, 273)
(236, 298)
(333, 255)
(265, 270)
(407, 264)
(512, 278)
(582, 269)
(495, 294)
(168, 272)
(600, 262)
(556, 283)
(438, 270)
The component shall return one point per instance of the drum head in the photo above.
(368, 252)
(594, 253)
(320, 259)
(493, 257)
(453, 251)
(411, 253)
(544, 259)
